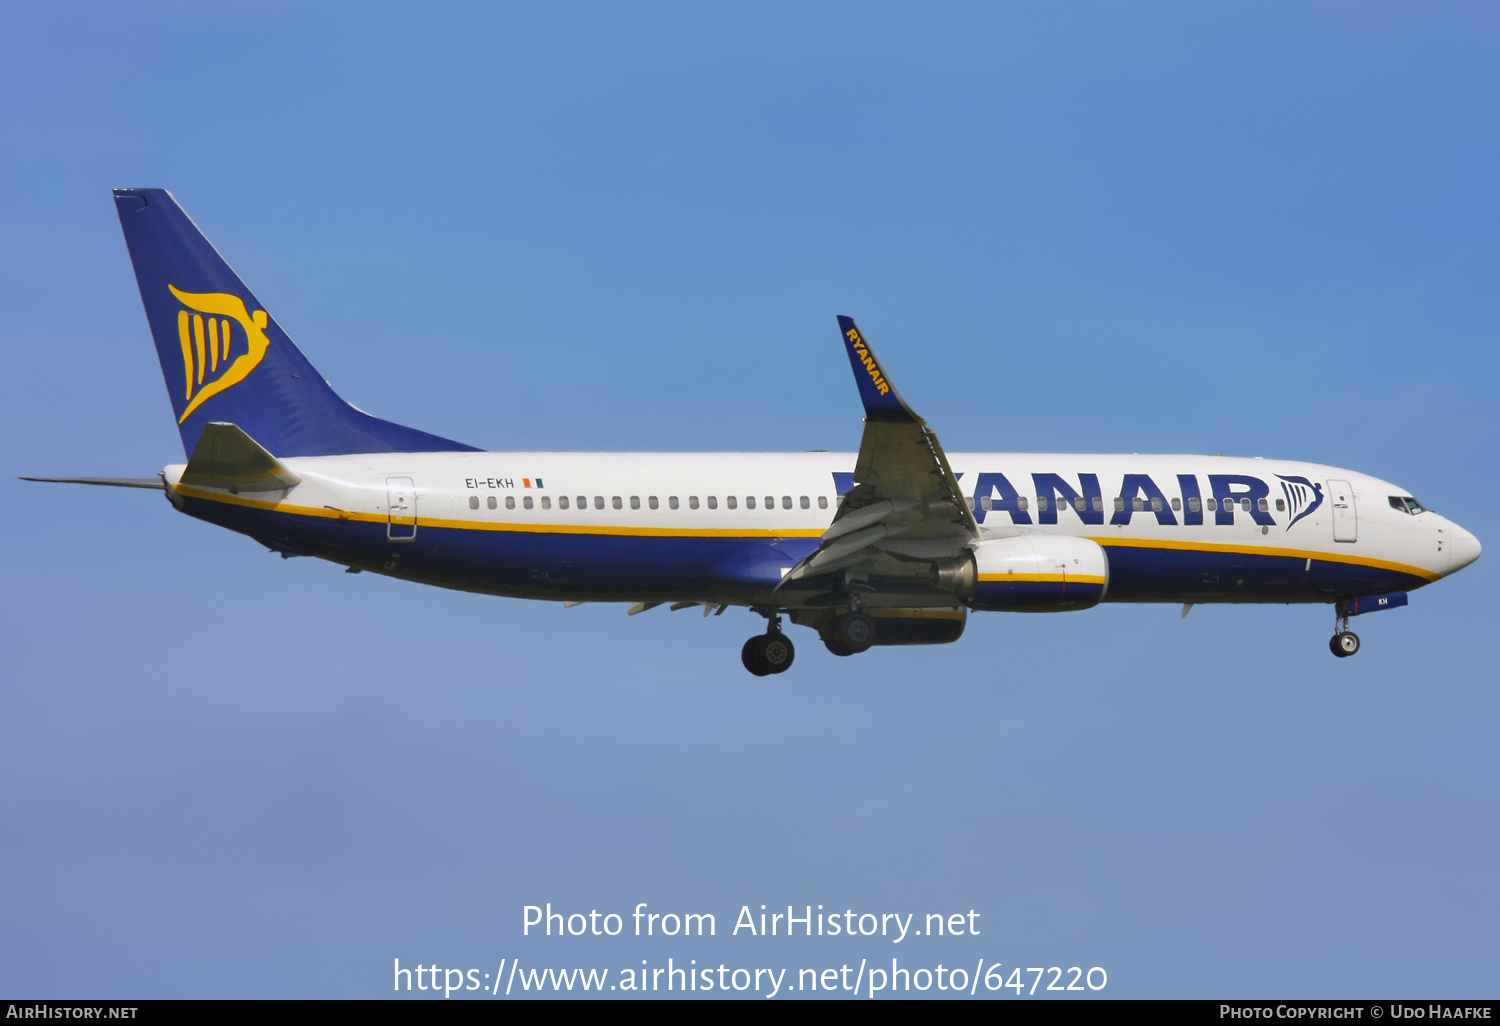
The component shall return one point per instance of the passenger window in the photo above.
(635, 502)
(1245, 505)
(1137, 503)
(770, 502)
(490, 501)
(473, 502)
(1023, 502)
(671, 502)
(822, 502)
(693, 502)
(653, 503)
(562, 502)
(729, 501)
(1041, 503)
(1098, 504)
(1265, 507)
(1211, 503)
(616, 503)
(1078, 503)
(713, 502)
(547, 502)
(749, 501)
(805, 504)
(987, 503)
(786, 502)
(1119, 503)
(1177, 504)
(1156, 505)
(1195, 505)
(598, 502)
(510, 502)
(526, 502)
(1280, 505)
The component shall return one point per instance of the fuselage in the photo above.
(726, 527)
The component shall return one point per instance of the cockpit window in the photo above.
(1406, 504)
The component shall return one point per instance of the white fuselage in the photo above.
(614, 526)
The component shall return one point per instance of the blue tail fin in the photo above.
(226, 359)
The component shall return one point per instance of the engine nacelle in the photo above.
(1037, 573)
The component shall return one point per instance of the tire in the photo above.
(1345, 644)
(752, 657)
(834, 647)
(854, 632)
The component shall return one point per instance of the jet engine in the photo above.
(1031, 573)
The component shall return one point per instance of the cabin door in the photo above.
(402, 509)
(1345, 519)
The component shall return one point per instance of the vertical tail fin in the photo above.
(226, 359)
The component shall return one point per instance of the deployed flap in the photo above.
(228, 459)
(902, 483)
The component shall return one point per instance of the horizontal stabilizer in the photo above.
(111, 482)
(230, 460)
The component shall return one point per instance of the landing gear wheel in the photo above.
(850, 634)
(1344, 644)
(751, 657)
(777, 652)
(768, 653)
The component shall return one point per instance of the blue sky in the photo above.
(1257, 230)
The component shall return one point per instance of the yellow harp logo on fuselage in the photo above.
(208, 343)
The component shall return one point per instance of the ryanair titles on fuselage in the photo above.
(1140, 495)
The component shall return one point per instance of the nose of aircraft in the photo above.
(1464, 549)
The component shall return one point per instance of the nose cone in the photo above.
(1463, 549)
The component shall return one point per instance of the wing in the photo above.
(905, 512)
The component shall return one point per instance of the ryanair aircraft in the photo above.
(894, 545)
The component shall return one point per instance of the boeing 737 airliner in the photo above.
(894, 545)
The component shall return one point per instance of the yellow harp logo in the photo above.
(208, 344)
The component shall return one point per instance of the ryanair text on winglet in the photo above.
(863, 352)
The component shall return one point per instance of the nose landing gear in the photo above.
(1344, 642)
(771, 652)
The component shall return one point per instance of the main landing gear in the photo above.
(849, 634)
(1344, 642)
(771, 652)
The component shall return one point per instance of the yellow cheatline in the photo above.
(187, 350)
(1255, 550)
(1042, 578)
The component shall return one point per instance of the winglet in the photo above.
(882, 401)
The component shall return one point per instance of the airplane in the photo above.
(893, 545)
